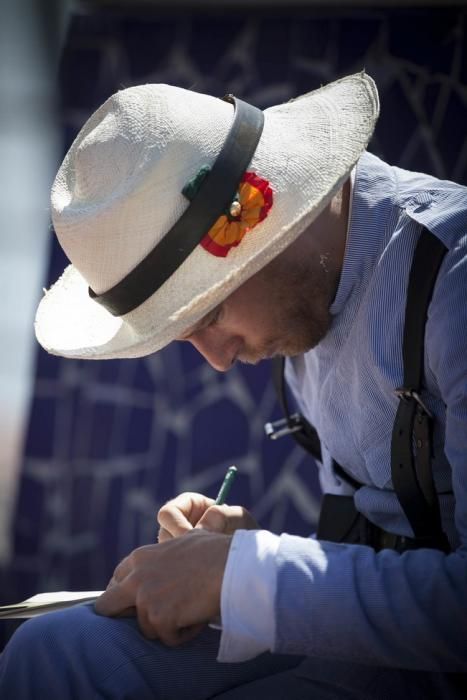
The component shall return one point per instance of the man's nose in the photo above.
(221, 352)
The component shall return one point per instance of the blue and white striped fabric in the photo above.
(410, 610)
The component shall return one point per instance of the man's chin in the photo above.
(247, 360)
(300, 347)
(255, 358)
(251, 359)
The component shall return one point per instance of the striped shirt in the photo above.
(345, 386)
(346, 601)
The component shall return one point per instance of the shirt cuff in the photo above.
(247, 598)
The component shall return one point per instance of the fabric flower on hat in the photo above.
(250, 206)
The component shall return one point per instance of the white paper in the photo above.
(47, 602)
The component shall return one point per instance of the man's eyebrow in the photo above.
(202, 323)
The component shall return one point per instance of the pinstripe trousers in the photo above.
(77, 655)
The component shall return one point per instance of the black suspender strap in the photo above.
(411, 449)
(298, 426)
(411, 466)
(295, 424)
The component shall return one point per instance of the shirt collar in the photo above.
(372, 193)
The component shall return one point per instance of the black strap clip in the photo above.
(285, 426)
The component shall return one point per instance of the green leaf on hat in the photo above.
(192, 187)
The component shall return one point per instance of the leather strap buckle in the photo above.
(407, 394)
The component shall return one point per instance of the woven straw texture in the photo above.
(118, 192)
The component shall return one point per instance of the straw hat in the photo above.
(134, 171)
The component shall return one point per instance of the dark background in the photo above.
(109, 442)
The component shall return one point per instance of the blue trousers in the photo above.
(77, 655)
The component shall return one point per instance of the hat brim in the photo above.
(306, 152)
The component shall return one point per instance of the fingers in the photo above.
(215, 519)
(117, 599)
(122, 570)
(189, 510)
(114, 601)
(226, 519)
(154, 625)
(181, 636)
(164, 535)
(179, 515)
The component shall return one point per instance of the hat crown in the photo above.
(105, 145)
(126, 170)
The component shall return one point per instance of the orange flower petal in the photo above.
(255, 197)
(251, 196)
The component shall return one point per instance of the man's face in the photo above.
(281, 310)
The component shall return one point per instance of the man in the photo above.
(253, 240)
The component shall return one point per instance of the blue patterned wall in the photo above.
(109, 442)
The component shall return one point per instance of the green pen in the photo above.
(226, 485)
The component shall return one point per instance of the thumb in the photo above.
(214, 520)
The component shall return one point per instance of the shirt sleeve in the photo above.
(247, 598)
(348, 603)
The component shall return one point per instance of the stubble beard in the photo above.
(300, 300)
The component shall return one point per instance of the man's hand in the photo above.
(175, 586)
(193, 510)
